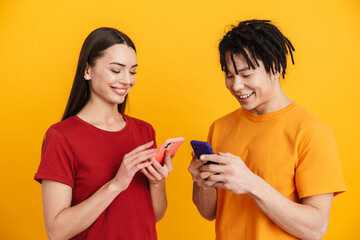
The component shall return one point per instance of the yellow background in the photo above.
(180, 89)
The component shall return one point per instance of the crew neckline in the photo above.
(269, 116)
(102, 130)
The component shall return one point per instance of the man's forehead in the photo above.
(238, 60)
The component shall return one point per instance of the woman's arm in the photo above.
(158, 199)
(157, 175)
(63, 221)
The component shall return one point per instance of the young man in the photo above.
(279, 166)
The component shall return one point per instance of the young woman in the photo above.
(91, 184)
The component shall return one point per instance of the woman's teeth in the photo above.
(119, 90)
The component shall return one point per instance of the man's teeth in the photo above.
(245, 96)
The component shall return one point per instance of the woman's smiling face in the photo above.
(113, 74)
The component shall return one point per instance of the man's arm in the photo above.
(204, 197)
(205, 201)
(306, 220)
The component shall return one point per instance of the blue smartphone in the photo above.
(201, 148)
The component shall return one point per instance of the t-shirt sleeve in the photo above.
(210, 134)
(318, 170)
(56, 159)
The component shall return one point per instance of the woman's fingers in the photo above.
(140, 157)
(140, 148)
(168, 161)
(148, 175)
(157, 175)
(155, 172)
(142, 165)
(173, 155)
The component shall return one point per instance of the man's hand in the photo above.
(199, 177)
(232, 174)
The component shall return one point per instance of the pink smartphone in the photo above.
(172, 143)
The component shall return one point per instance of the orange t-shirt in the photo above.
(290, 149)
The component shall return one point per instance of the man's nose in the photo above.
(238, 83)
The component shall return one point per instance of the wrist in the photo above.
(157, 184)
(204, 188)
(256, 187)
(114, 186)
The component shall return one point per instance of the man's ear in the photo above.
(277, 73)
(87, 75)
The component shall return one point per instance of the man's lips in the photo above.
(245, 96)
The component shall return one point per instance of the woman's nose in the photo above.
(125, 78)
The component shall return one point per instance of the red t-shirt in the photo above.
(85, 158)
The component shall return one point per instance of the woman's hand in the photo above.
(135, 160)
(157, 173)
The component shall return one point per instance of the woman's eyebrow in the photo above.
(123, 65)
(117, 63)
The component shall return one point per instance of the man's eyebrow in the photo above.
(123, 65)
(242, 69)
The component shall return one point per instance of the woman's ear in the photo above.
(87, 75)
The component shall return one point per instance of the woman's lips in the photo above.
(120, 91)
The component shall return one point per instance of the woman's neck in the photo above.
(102, 115)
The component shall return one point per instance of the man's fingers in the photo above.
(224, 158)
(195, 166)
(227, 154)
(213, 158)
(213, 168)
(202, 176)
(219, 185)
(206, 184)
(216, 178)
